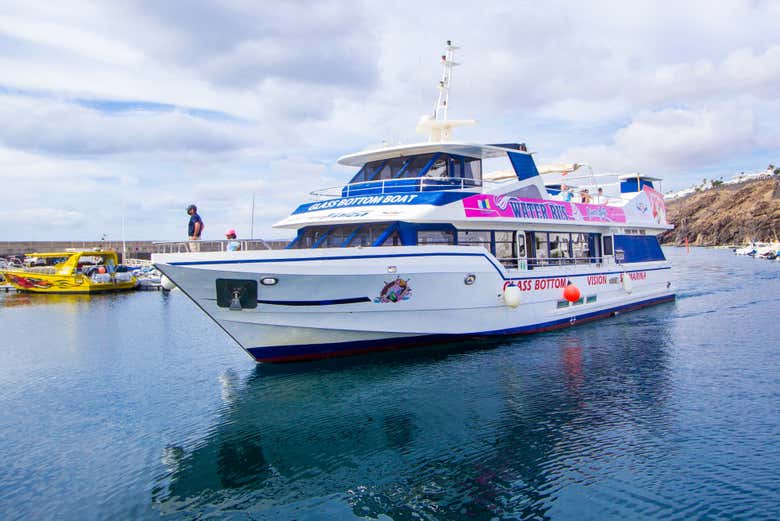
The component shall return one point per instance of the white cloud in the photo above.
(663, 87)
(669, 141)
(43, 218)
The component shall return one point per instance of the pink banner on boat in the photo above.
(498, 206)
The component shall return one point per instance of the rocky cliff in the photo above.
(727, 214)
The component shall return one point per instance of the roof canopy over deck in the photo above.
(461, 149)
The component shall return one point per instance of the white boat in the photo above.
(766, 251)
(750, 249)
(422, 246)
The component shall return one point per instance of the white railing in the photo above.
(396, 186)
(210, 246)
(562, 261)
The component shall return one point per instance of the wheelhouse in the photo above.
(429, 167)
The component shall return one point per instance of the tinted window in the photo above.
(435, 237)
(442, 167)
(346, 235)
(337, 236)
(559, 246)
(579, 247)
(541, 248)
(505, 249)
(474, 238)
(608, 245)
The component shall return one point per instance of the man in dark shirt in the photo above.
(195, 227)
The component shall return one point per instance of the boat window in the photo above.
(608, 245)
(348, 235)
(559, 247)
(391, 169)
(436, 165)
(474, 238)
(311, 237)
(540, 239)
(365, 236)
(521, 245)
(394, 239)
(435, 237)
(438, 169)
(473, 169)
(580, 247)
(338, 235)
(505, 248)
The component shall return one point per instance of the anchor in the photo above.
(235, 301)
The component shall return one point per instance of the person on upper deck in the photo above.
(233, 245)
(566, 194)
(584, 196)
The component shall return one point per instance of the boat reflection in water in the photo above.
(458, 434)
(73, 300)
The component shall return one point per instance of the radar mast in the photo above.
(438, 127)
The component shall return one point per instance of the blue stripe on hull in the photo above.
(498, 269)
(319, 351)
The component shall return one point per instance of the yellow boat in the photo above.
(70, 272)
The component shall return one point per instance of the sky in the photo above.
(116, 115)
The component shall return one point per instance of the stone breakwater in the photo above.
(135, 249)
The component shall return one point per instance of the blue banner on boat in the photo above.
(432, 198)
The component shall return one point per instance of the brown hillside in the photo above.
(729, 214)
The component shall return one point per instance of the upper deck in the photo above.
(445, 182)
(425, 167)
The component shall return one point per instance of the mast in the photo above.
(437, 126)
(447, 63)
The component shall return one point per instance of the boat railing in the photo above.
(524, 263)
(397, 186)
(215, 245)
(563, 261)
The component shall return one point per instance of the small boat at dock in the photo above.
(82, 271)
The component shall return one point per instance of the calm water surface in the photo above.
(135, 407)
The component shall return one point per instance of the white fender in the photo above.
(627, 284)
(166, 283)
(512, 296)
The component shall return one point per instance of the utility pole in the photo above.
(252, 219)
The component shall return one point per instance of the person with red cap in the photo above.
(233, 245)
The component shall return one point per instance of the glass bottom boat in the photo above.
(426, 244)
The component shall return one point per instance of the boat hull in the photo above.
(339, 304)
(33, 282)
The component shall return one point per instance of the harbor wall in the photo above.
(135, 249)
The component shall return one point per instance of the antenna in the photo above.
(437, 126)
(447, 63)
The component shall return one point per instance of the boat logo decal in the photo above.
(395, 291)
(32, 282)
(498, 206)
(598, 213)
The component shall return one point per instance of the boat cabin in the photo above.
(430, 167)
(70, 262)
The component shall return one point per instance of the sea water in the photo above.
(136, 406)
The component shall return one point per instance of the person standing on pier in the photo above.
(194, 228)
